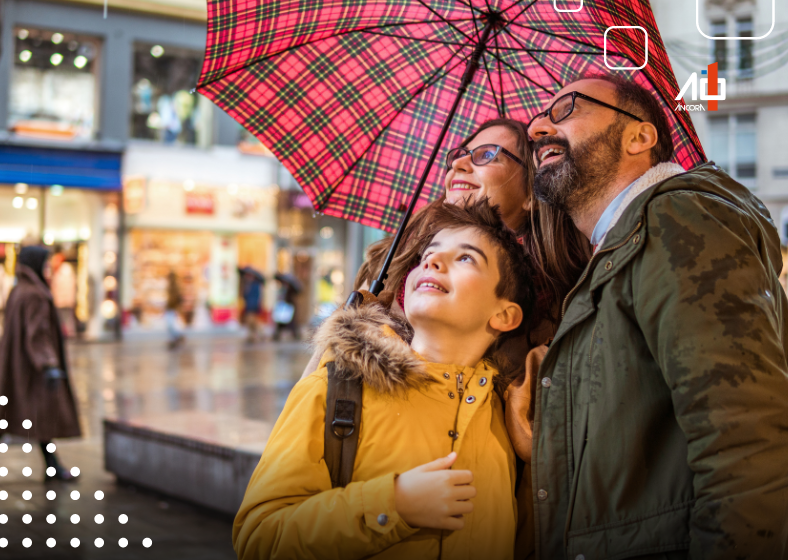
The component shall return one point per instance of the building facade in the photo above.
(107, 156)
(744, 135)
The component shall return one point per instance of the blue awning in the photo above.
(44, 166)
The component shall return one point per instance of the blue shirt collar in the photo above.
(607, 216)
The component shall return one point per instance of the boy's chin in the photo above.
(425, 311)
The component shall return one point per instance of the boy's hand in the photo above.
(432, 496)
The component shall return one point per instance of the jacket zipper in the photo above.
(460, 391)
(588, 268)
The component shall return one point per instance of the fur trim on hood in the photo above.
(369, 343)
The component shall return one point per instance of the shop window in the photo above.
(163, 109)
(733, 146)
(54, 81)
(719, 49)
(744, 28)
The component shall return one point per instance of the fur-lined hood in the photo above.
(370, 343)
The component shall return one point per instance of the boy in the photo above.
(431, 399)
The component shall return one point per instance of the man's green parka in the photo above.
(661, 423)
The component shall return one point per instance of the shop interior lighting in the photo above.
(20, 188)
(31, 203)
(110, 283)
(109, 258)
(108, 309)
(23, 34)
(80, 61)
(73, 45)
(18, 202)
(337, 277)
(84, 233)
(232, 189)
(56, 59)
(57, 38)
(156, 51)
(326, 232)
(25, 55)
(49, 238)
(56, 190)
(188, 185)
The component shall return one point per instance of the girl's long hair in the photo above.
(555, 248)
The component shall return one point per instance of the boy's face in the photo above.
(455, 282)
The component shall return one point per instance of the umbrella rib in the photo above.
(500, 81)
(434, 41)
(492, 89)
(444, 20)
(433, 80)
(557, 36)
(516, 71)
(542, 66)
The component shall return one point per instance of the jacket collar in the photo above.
(27, 276)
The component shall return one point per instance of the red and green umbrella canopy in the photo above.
(351, 95)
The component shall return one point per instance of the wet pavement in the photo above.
(140, 380)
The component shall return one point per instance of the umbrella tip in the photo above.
(193, 90)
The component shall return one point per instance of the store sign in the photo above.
(199, 203)
(134, 194)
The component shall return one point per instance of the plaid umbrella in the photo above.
(356, 97)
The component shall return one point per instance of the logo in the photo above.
(712, 89)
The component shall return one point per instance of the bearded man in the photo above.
(661, 406)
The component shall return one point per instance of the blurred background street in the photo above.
(135, 381)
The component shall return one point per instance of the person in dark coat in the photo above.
(33, 367)
(253, 283)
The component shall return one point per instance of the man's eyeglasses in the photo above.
(564, 105)
(480, 155)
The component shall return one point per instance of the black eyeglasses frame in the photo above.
(498, 149)
(575, 94)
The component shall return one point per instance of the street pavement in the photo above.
(136, 379)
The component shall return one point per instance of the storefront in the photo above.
(203, 230)
(67, 199)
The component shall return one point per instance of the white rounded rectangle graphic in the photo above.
(557, 9)
(645, 63)
(697, 24)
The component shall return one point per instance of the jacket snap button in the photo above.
(483, 381)
(546, 382)
(470, 399)
(542, 495)
(453, 434)
(446, 375)
(635, 240)
(451, 395)
(608, 265)
(580, 557)
(383, 519)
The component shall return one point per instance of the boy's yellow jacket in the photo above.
(411, 409)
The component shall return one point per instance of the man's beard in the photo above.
(584, 172)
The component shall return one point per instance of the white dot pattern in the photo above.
(51, 542)
(99, 518)
(99, 542)
(51, 518)
(74, 471)
(3, 424)
(27, 424)
(3, 471)
(27, 518)
(51, 447)
(51, 495)
(3, 519)
(146, 542)
(75, 519)
(27, 471)
(3, 447)
(74, 495)
(27, 448)
(27, 494)
(51, 471)
(75, 542)
(3, 400)
(123, 518)
(3, 495)
(99, 495)
(123, 543)
(27, 543)
(3, 543)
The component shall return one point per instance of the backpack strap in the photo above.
(343, 421)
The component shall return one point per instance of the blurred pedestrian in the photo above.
(284, 311)
(64, 293)
(253, 283)
(174, 301)
(33, 367)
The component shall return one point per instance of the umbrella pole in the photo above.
(470, 70)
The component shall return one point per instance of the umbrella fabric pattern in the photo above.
(351, 95)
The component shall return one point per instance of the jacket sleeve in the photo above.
(40, 333)
(290, 509)
(712, 312)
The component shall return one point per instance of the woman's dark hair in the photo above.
(556, 251)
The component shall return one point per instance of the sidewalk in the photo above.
(139, 379)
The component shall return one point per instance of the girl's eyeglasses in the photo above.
(480, 155)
